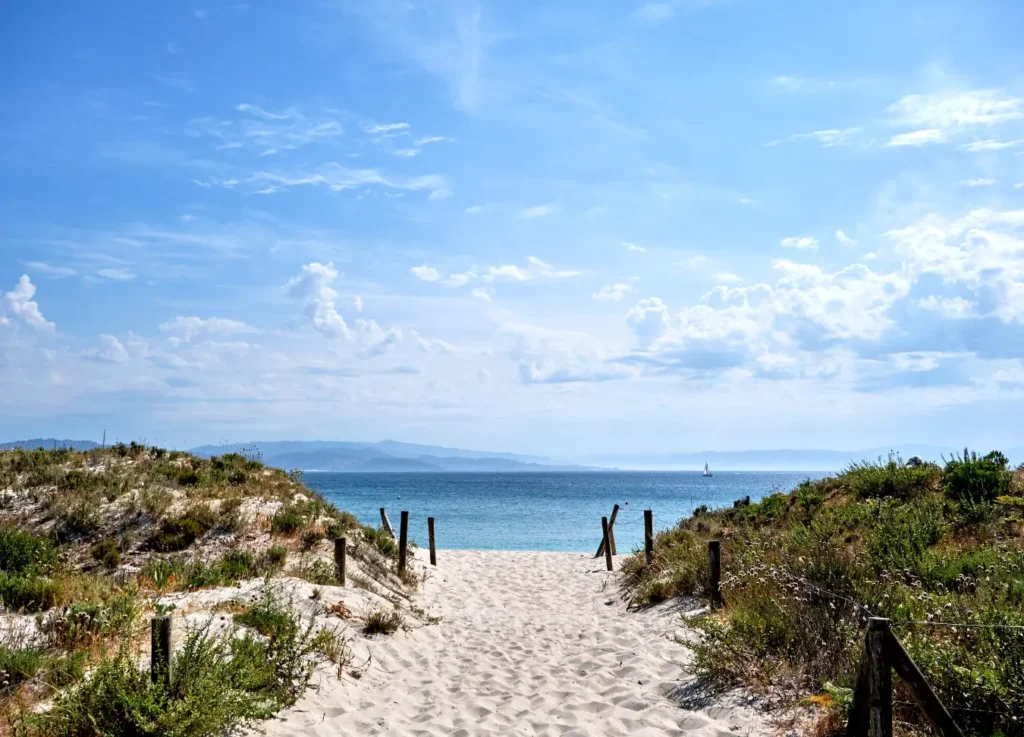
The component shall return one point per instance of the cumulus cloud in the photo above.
(110, 351)
(950, 308)
(648, 319)
(545, 356)
(314, 286)
(613, 292)
(425, 273)
(956, 109)
(805, 243)
(357, 303)
(482, 293)
(191, 327)
(21, 305)
(843, 238)
(534, 269)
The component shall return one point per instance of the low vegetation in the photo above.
(921, 544)
(90, 541)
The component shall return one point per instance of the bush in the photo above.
(903, 532)
(973, 479)
(106, 552)
(238, 565)
(23, 553)
(287, 520)
(18, 665)
(31, 594)
(274, 559)
(381, 540)
(178, 533)
(382, 622)
(311, 538)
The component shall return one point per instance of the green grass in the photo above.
(909, 543)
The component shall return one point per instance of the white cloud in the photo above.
(827, 138)
(110, 351)
(20, 304)
(441, 193)
(633, 247)
(992, 145)
(613, 292)
(648, 319)
(726, 277)
(537, 211)
(314, 286)
(979, 182)
(191, 327)
(956, 109)
(843, 238)
(474, 209)
(116, 274)
(482, 293)
(57, 272)
(917, 138)
(289, 114)
(785, 83)
(459, 280)
(425, 273)
(953, 308)
(375, 339)
(357, 303)
(427, 140)
(534, 269)
(805, 243)
(385, 128)
(407, 153)
(339, 178)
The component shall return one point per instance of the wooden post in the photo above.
(879, 679)
(340, 555)
(611, 534)
(403, 542)
(857, 724)
(160, 650)
(907, 669)
(607, 547)
(648, 536)
(386, 523)
(430, 534)
(715, 562)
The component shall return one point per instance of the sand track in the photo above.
(528, 644)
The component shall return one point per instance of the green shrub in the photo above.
(275, 558)
(891, 478)
(22, 552)
(381, 540)
(382, 622)
(903, 532)
(82, 625)
(310, 538)
(178, 533)
(18, 665)
(973, 479)
(31, 594)
(106, 552)
(238, 565)
(287, 520)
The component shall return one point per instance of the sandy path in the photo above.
(529, 644)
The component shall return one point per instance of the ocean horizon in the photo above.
(544, 511)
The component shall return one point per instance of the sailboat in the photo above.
(707, 471)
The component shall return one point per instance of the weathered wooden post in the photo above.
(160, 650)
(386, 523)
(611, 534)
(715, 562)
(879, 679)
(430, 534)
(607, 546)
(403, 542)
(648, 536)
(340, 556)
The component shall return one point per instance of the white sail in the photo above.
(707, 471)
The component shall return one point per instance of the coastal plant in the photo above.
(382, 621)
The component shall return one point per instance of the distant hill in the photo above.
(49, 444)
(384, 456)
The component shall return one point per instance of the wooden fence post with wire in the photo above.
(871, 712)
(611, 534)
(715, 566)
(403, 541)
(648, 536)
(386, 523)
(605, 544)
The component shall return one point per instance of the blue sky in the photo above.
(559, 228)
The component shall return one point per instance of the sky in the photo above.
(554, 228)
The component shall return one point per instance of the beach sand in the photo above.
(528, 643)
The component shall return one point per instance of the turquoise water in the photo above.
(539, 511)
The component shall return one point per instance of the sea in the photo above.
(540, 511)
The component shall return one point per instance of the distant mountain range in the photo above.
(392, 456)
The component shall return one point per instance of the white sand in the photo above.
(529, 644)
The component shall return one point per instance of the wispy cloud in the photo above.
(726, 277)
(978, 182)
(785, 83)
(377, 129)
(537, 211)
(633, 247)
(991, 145)
(534, 269)
(266, 131)
(338, 178)
(191, 327)
(844, 239)
(56, 272)
(917, 138)
(805, 243)
(956, 109)
(116, 274)
(827, 138)
(613, 292)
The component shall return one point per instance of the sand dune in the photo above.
(528, 644)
